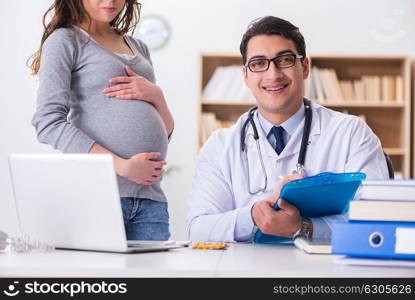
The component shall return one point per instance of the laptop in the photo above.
(71, 201)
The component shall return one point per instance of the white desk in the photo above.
(239, 260)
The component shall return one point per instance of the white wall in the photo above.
(353, 26)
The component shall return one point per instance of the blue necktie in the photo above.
(278, 131)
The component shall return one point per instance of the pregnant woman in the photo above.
(97, 94)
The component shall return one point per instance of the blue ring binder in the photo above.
(316, 196)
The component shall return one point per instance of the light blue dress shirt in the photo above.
(289, 126)
(321, 230)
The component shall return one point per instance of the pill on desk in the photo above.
(210, 246)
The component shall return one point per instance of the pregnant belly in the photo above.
(125, 127)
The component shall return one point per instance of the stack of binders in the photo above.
(381, 223)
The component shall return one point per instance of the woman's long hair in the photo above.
(71, 12)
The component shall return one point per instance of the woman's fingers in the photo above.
(158, 163)
(120, 93)
(121, 79)
(117, 87)
(157, 173)
(126, 97)
(152, 155)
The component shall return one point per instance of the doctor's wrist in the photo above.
(305, 231)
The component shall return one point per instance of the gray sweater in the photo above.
(72, 111)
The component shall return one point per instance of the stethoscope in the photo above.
(303, 148)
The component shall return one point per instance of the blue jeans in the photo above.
(145, 219)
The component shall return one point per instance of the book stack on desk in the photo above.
(381, 222)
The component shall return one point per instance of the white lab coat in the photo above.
(338, 143)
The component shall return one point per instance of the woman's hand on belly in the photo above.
(142, 169)
(134, 87)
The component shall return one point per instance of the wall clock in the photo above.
(154, 31)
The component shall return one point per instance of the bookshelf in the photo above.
(216, 109)
(383, 98)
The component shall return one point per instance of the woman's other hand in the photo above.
(142, 168)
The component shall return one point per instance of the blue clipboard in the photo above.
(320, 195)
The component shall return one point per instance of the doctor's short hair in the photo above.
(270, 25)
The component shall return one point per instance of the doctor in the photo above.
(238, 177)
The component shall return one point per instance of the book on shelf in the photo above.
(227, 85)
(346, 87)
(399, 89)
(326, 85)
(392, 88)
(316, 87)
(376, 88)
(209, 123)
(382, 210)
(234, 84)
(223, 88)
(210, 88)
(372, 88)
(384, 88)
(359, 90)
(336, 85)
(388, 86)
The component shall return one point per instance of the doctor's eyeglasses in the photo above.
(281, 62)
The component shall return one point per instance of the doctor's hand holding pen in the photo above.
(140, 168)
(284, 222)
